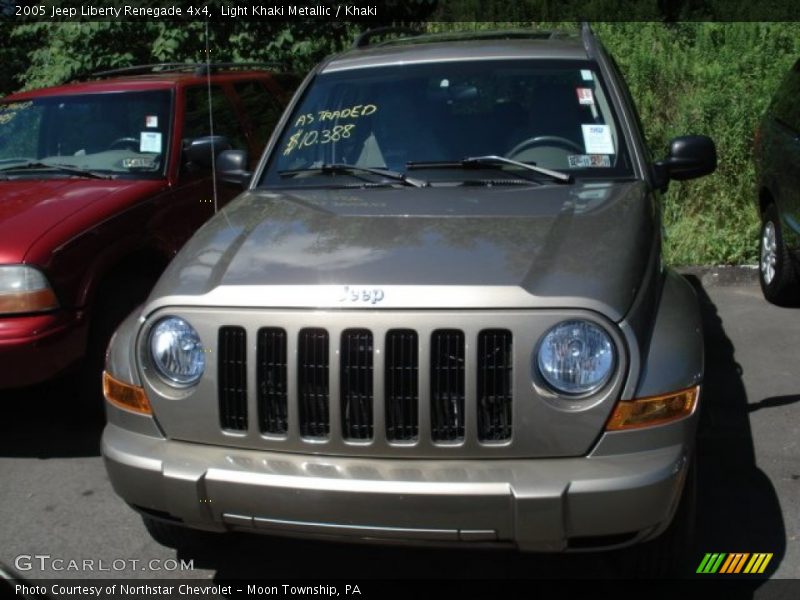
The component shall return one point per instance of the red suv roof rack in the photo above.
(196, 68)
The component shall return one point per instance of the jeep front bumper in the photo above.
(555, 504)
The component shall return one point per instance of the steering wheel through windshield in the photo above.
(129, 143)
(544, 140)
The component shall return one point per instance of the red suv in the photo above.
(101, 182)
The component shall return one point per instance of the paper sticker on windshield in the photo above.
(597, 139)
(585, 96)
(586, 75)
(139, 163)
(587, 161)
(151, 121)
(150, 141)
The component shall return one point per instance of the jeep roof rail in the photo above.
(363, 39)
(415, 37)
(197, 68)
(588, 39)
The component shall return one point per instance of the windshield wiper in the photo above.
(345, 168)
(57, 167)
(477, 161)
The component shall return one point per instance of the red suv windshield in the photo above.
(114, 133)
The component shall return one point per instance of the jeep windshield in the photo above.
(113, 134)
(552, 114)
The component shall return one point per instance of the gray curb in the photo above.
(723, 275)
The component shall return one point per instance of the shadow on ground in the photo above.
(50, 421)
(738, 509)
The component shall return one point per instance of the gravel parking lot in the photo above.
(55, 499)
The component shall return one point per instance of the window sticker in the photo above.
(150, 141)
(151, 121)
(139, 163)
(597, 139)
(586, 161)
(585, 96)
(586, 75)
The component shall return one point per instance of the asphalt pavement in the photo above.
(56, 502)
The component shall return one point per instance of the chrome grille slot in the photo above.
(232, 378)
(271, 379)
(495, 366)
(313, 389)
(356, 384)
(447, 385)
(402, 385)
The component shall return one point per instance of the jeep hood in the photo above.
(29, 207)
(583, 245)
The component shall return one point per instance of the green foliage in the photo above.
(714, 79)
(686, 77)
(51, 53)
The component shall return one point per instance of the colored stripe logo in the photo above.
(734, 563)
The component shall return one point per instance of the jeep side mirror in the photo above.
(200, 151)
(689, 156)
(232, 168)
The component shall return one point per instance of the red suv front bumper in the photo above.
(35, 348)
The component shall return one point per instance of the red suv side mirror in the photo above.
(201, 150)
(232, 167)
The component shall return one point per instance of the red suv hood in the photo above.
(29, 208)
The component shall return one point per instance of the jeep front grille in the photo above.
(232, 367)
(351, 381)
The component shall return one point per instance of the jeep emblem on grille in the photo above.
(361, 295)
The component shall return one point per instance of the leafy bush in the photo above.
(52, 53)
(714, 79)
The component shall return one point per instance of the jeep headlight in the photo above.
(576, 357)
(177, 352)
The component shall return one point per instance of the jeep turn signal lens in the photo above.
(654, 410)
(126, 396)
(24, 289)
